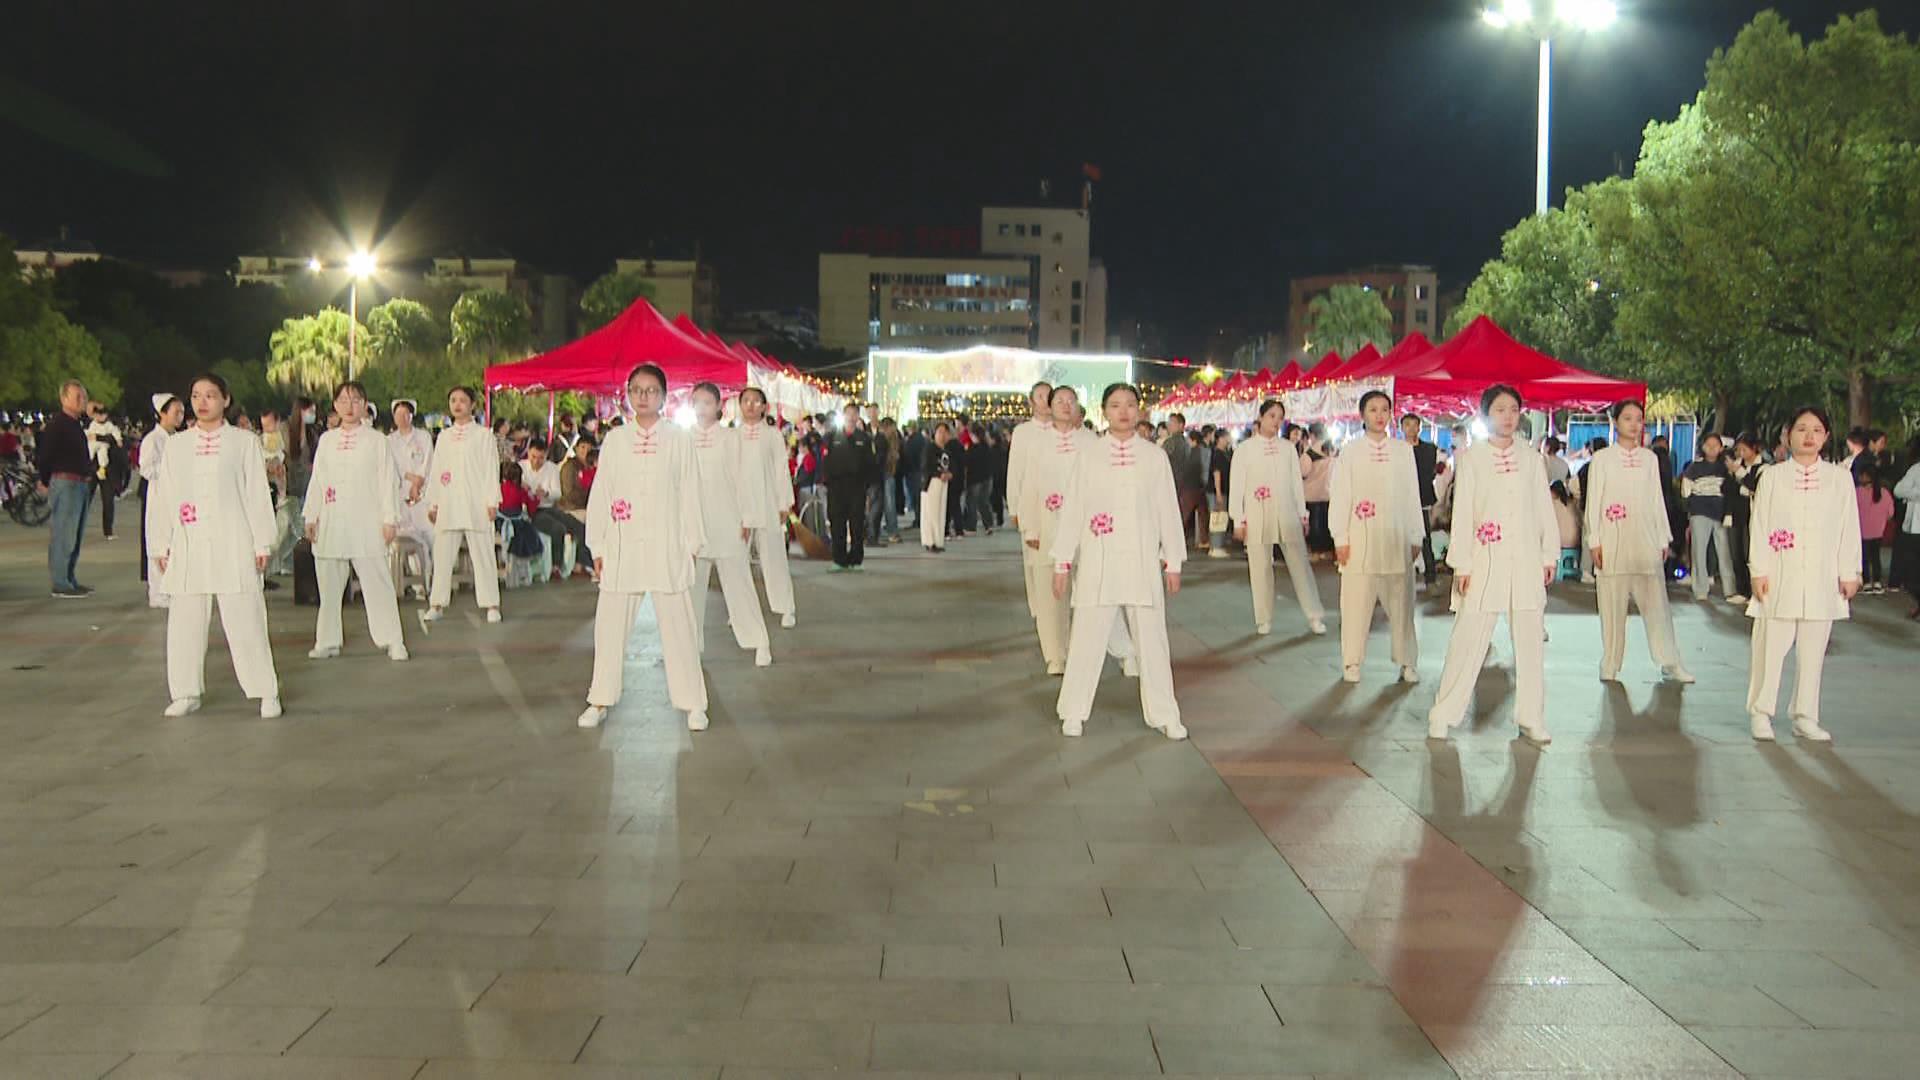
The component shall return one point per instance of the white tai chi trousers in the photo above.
(486, 573)
(1772, 638)
(1051, 614)
(771, 544)
(743, 604)
(376, 591)
(1467, 651)
(933, 514)
(243, 616)
(1093, 638)
(1649, 594)
(1358, 594)
(155, 598)
(1299, 567)
(613, 621)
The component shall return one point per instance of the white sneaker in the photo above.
(1317, 626)
(428, 616)
(763, 657)
(1810, 730)
(1263, 629)
(1175, 731)
(1609, 676)
(1678, 674)
(182, 706)
(397, 652)
(1737, 600)
(1537, 735)
(322, 652)
(1409, 675)
(1437, 728)
(1217, 553)
(787, 621)
(1762, 726)
(1130, 667)
(1056, 668)
(270, 708)
(593, 717)
(1350, 674)
(697, 720)
(493, 614)
(1587, 579)
(1071, 728)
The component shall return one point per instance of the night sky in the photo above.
(1240, 143)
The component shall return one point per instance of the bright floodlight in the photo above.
(361, 264)
(1592, 14)
(313, 264)
(684, 416)
(1517, 11)
(1495, 18)
(1479, 428)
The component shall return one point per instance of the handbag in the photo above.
(1217, 521)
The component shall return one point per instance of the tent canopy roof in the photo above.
(600, 362)
(1458, 371)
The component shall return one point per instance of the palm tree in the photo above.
(1347, 317)
(309, 354)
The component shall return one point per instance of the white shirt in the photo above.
(1504, 536)
(1120, 524)
(1626, 515)
(352, 494)
(1051, 456)
(463, 480)
(1374, 507)
(210, 514)
(716, 456)
(1804, 538)
(1265, 490)
(98, 432)
(643, 513)
(543, 481)
(1028, 437)
(766, 487)
(153, 447)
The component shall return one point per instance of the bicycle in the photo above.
(19, 490)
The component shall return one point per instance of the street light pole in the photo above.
(1540, 154)
(1553, 16)
(353, 322)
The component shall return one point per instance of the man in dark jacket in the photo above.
(66, 472)
(1426, 457)
(850, 469)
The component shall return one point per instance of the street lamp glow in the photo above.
(1495, 18)
(361, 264)
(1592, 14)
(313, 264)
(1518, 12)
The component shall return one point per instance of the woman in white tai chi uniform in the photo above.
(412, 452)
(169, 414)
(766, 492)
(463, 496)
(937, 472)
(1268, 502)
(212, 530)
(643, 527)
(723, 514)
(1804, 550)
(1050, 456)
(352, 513)
(1505, 549)
(1120, 546)
(1375, 519)
(1023, 442)
(1627, 532)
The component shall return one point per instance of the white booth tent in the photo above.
(897, 377)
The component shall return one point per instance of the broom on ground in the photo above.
(810, 542)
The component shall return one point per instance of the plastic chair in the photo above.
(1569, 565)
(407, 550)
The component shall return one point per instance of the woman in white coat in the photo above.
(211, 528)
(1804, 551)
(1375, 519)
(1268, 503)
(766, 492)
(463, 496)
(1628, 535)
(717, 457)
(169, 414)
(352, 512)
(412, 452)
(1049, 458)
(1506, 547)
(1120, 546)
(644, 524)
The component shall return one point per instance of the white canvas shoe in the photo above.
(1130, 667)
(1318, 626)
(1056, 668)
(763, 657)
(1350, 674)
(1071, 728)
(1437, 728)
(1609, 676)
(1409, 675)
(1263, 629)
(1678, 674)
(428, 616)
(787, 621)
(182, 706)
(1536, 735)
(1762, 726)
(1810, 730)
(270, 708)
(593, 717)
(397, 652)
(322, 652)
(493, 614)
(697, 720)
(1175, 731)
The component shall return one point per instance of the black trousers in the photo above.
(105, 494)
(557, 525)
(1742, 573)
(143, 530)
(847, 520)
(1426, 545)
(1906, 547)
(1870, 561)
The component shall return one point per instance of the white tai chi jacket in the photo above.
(716, 457)
(153, 447)
(1119, 524)
(463, 481)
(766, 487)
(643, 514)
(1051, 455)
(1265, 490)
(211, 514)
(1626, 511)
(1375, 508)
(1805, 540)
(412, 452)
(1504, 533)
(352, 494)
(1026, 439)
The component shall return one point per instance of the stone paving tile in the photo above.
(1083, 963)
(286, 948)
(494, 953)
(1023, 1048)
(111, 984)
(252, 1066)
(1808, 1052)
(734, 959)
(1693, 1005)
(956, 1001)
(444, 1033)
(813, 928)
(766, 1043)
(90, 1029)
(58, 1066)
(1397, 1051)
(1359, 1007)
(1238, 965)
(1025, 930)
(444, 1069)
(384, 987)
(1044, 1002)
(1590, 1049)
(609, 994)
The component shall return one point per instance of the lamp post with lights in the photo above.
(1544, 19)
(361, 265)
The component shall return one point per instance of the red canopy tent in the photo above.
(1326, 369)
(1385, 366)
(600, 362)
(1451, 376)
(1287, 377)
(1366, 356)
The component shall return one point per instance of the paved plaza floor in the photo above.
(883, 856)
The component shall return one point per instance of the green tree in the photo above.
(39, 347)
(610, 295)
(1348, 317)
(247, 382)
(401, 328)
(1552, 288)
(488, 321)
(309, 353)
